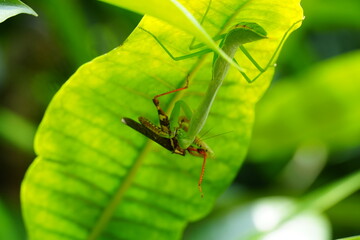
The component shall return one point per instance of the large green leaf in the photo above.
(10, 8)
(96, 178)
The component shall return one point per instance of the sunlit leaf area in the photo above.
(282, 153)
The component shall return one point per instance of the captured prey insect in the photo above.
(165, 137)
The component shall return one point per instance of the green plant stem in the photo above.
(320, 200)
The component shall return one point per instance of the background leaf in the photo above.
(323, 98)
(276, 217)
(97, 177)
(265, 213)
(10, 8)
(23, 139)
(9, 228)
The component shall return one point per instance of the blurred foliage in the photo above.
(11, 226)
(318, 106)
(242, 221)
(37, 55)
(9, 122)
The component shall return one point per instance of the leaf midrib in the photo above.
(110, 209)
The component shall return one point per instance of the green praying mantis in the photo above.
(180, 134)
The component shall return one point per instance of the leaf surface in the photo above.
(96, 178)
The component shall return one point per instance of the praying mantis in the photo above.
(178, 133)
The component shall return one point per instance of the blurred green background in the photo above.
(307, 131)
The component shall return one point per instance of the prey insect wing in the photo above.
(162, 141)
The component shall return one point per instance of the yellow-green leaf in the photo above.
(96, 178)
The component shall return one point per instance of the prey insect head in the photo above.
(200, 149)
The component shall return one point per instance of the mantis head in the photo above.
(245, 32)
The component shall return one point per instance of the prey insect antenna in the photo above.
(217, 135)
(205, 133)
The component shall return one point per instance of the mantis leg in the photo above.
(208, 50)
(192, 44)
(191, 55)
(271, 61)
